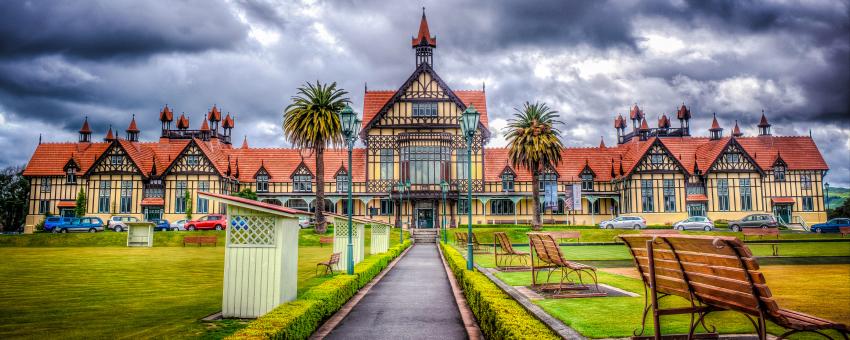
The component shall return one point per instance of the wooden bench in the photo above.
(329, 264)
(478, 247)
(844, 231)
(323, 240)
(660, 232)
(502, 248)
(713, 273)
(761, 233)
(565, 235)
(200, 240)
(550, 259)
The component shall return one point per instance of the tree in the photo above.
(14, 196)
(533, 144)
(187, 197)
(311, 122)
(80, 208)
(247, 193)
(841, 211)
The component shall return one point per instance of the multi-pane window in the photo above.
(656, 158)
(586, 182)
(43, 206)
(501, 207)
(462, 161)
(154, 189)
(732, 157)
(627, 200)
(387, 207)
(806, 181)
(746, 194)
(647, 196)
(558, 209)
(386, 161)
(462, 206)
(345, 206)
(723, 194)
(425, 164)
(203, 205)
(103, 197)
(45, 185)
(116, 159)
(669, 195)
(302, 183)
(180, 197)
(262, 182)
(507, 182)
(808, 203)
(424, 109)
(779, 173)
(193, 160)
(126, 203)
(342, 182)
(71, 176)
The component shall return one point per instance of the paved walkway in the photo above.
(413, 301)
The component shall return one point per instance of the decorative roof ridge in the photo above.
(384, 91)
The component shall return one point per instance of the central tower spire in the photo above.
(424, 43)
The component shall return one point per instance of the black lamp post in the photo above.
(400, 189)
(350, 128)
(468, 125)
(444, 187)
(827, 198)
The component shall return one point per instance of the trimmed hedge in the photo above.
(499, 315)
(300, 318)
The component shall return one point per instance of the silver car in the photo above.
(624, 222)
(694, 223)
(178, 225)
(119, 223)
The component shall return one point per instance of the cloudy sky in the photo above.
(63, 60)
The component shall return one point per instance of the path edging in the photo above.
(469, 322)
(343, 311)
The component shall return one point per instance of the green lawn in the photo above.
(108, 291)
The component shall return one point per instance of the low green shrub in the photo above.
(300, 318)
(499, 315)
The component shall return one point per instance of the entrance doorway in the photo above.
(425, 218)
(152, 213)
(782, 213)
(696, 209)
(66, 212)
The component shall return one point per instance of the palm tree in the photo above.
(534, 145)
(311, 122)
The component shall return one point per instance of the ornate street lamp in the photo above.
(350, 129)
(827, 197)
(410, 203)
(400, 189)
(444, 187)
(468, 125)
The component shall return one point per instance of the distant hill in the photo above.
(837, 195)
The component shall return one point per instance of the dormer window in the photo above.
(586, 182)
(733, 158)
(342, 181)
(507, 181)
(302, 183)
(71, 176)
(424, 109)
(779, 173)
(116, 159)
(193, 160)
(656, 158)
(262, 182)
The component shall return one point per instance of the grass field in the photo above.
(102, 291)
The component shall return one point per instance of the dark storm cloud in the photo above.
(108, 29)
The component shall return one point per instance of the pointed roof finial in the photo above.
(85, 129)
(714, 124)
(245, 142)
(39, 139)
(763, 122)
(736, 131)
(602, 142)
(424, 38)
(109, 135)
(204, 125)
(133, 128)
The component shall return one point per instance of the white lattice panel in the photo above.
(251, 231)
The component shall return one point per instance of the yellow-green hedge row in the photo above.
(300, 318)
(499, 315)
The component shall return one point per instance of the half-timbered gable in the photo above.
(115, 161)
(658, 159)
(734, 158)
(192, 160)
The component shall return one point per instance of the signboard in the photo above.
(550, 200)
(572, 197)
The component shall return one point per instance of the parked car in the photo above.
(81, 225)
(119, 223)
(211, 221)
(178, 225)
(160, 224)
(830, 226)
(306, 222)
(624, 222)
(55, 221)
(754, 221)
(694, 223)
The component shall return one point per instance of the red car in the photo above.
(209, 222)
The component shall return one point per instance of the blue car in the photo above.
(830, 226)
(80, 225)
(54, 221)
(160, 224)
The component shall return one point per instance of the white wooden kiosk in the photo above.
(139, 234)
(260, 256)
(380, 237)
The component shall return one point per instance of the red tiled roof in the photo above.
(374, 101)
(182, 122)
(696, 198)
(714, 124)
(66, 204)
(256, 203)
(214, 114)
(476, 98)
(204, 125)
(798, 152)
(281, 171)
(50, 158)
(109, 135)
(635, 112)
(643, 125)
(763, 122)
(133, 127)
(424, 35)
(153, 201)
(782, 200)
(166, 115)
(228, 122)
(85, 128)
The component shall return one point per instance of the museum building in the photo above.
(413, 144)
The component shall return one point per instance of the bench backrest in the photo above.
(716, 271)
(504, 242)
(334, 258)
(659, 231)
(326, 239)
(844, 230)
(200, 239)
(560, 235)
(761, 232)
(546, 248)
(461, 237)
(475, 240)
